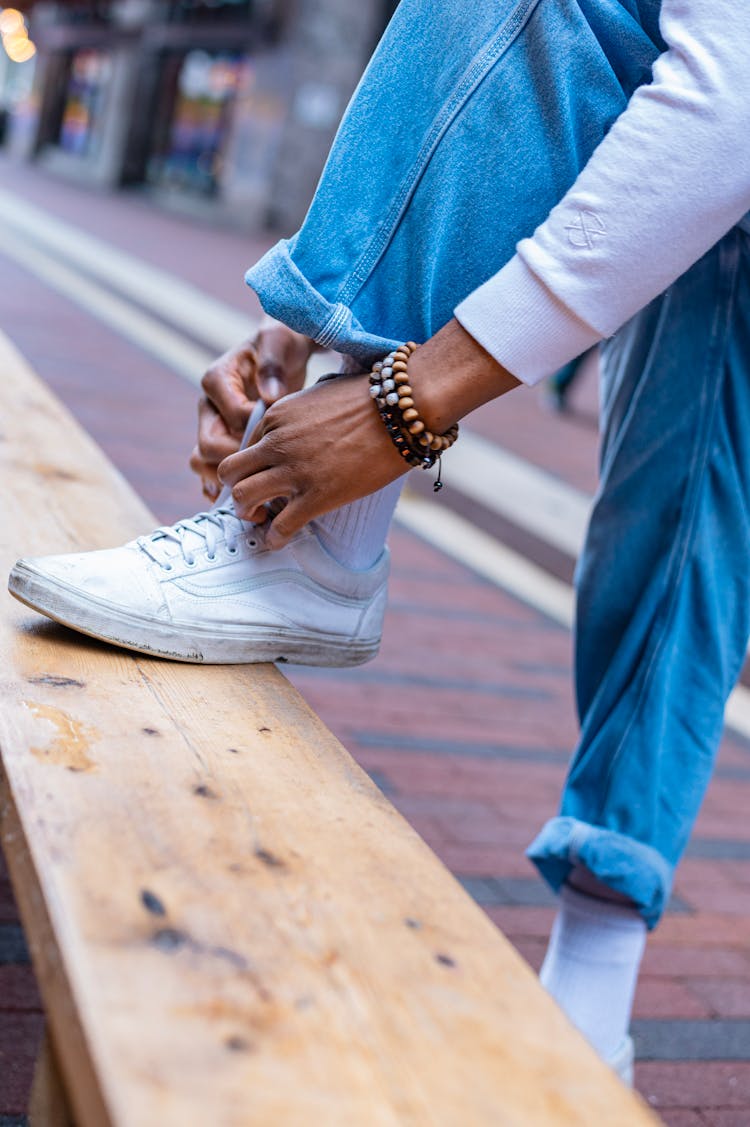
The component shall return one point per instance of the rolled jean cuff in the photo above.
(628, 866)
(288, 295)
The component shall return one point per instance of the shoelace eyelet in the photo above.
(253, 543)
(211, 558)
(167, 567)
(190, 563)
(232, 551)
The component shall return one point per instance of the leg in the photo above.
(663, 584)
(469, 125)
(441, 164)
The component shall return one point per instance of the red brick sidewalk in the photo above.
(467, 729)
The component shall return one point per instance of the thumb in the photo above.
(281, 357)
(270, 371)
(270, 383)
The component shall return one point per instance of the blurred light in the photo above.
(15, 37)
(11, 22)
(20, 50)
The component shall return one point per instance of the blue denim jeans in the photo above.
(468, 126)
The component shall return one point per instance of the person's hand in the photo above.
(269, 366)
(318, 449)
(327, 446)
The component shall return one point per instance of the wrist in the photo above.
(391, 391)
(451, 375)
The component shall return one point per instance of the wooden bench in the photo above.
(229, 923)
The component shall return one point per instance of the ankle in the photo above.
(592, 963)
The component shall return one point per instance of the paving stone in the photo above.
(423, 681)
(461, 856)
(705, 929)
(701, 1085)
(20, 1038)
(13, 947)
(719, 849)
(473, 750)
(515, 892)
(681, 1117)
(665, 998)
(382, 782)
(8, 910)
(527, 891)
(725, 997)
(682, 1040)
(732, 774)
(18, 989)
(679, 905)
(684, 962)
(532, 950)
(523, 923)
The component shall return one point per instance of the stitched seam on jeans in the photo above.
(683, 542)
(330, 330)
(471, 79)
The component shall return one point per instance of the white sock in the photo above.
(355, 534)
(591, 966)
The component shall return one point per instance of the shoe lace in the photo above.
(188, 536)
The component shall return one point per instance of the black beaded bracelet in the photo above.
(389, 388)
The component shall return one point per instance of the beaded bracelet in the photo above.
(390, 389)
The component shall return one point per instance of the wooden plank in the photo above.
(230, 924)
(48, 1106)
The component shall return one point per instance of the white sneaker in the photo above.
(208, 590)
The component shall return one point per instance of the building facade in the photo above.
(219, 107)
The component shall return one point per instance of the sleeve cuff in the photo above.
(523, 325)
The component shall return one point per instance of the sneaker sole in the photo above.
(194, 644)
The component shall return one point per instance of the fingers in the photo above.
(244, 463)
(293, 517)
(214, 445)
(224, 384)
(269, 367)
(281, 358)
(215, 442)
(271, 351)
(269, 379)
(210, 483)
(251, 494)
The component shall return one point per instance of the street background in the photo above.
(119, 290)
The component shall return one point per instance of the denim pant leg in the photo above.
(663, 583)
(468, 126)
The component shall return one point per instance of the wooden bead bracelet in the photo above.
(392, 393)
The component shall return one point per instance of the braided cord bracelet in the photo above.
(392, 393)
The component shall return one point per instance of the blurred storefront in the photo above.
(17, 65)
(224, 108)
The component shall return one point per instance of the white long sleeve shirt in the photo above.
(669, 179)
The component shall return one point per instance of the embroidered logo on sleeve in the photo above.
(585, 230)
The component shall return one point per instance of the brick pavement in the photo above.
(467, 729)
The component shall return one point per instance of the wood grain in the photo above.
(229, 922)
(48, 1106)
